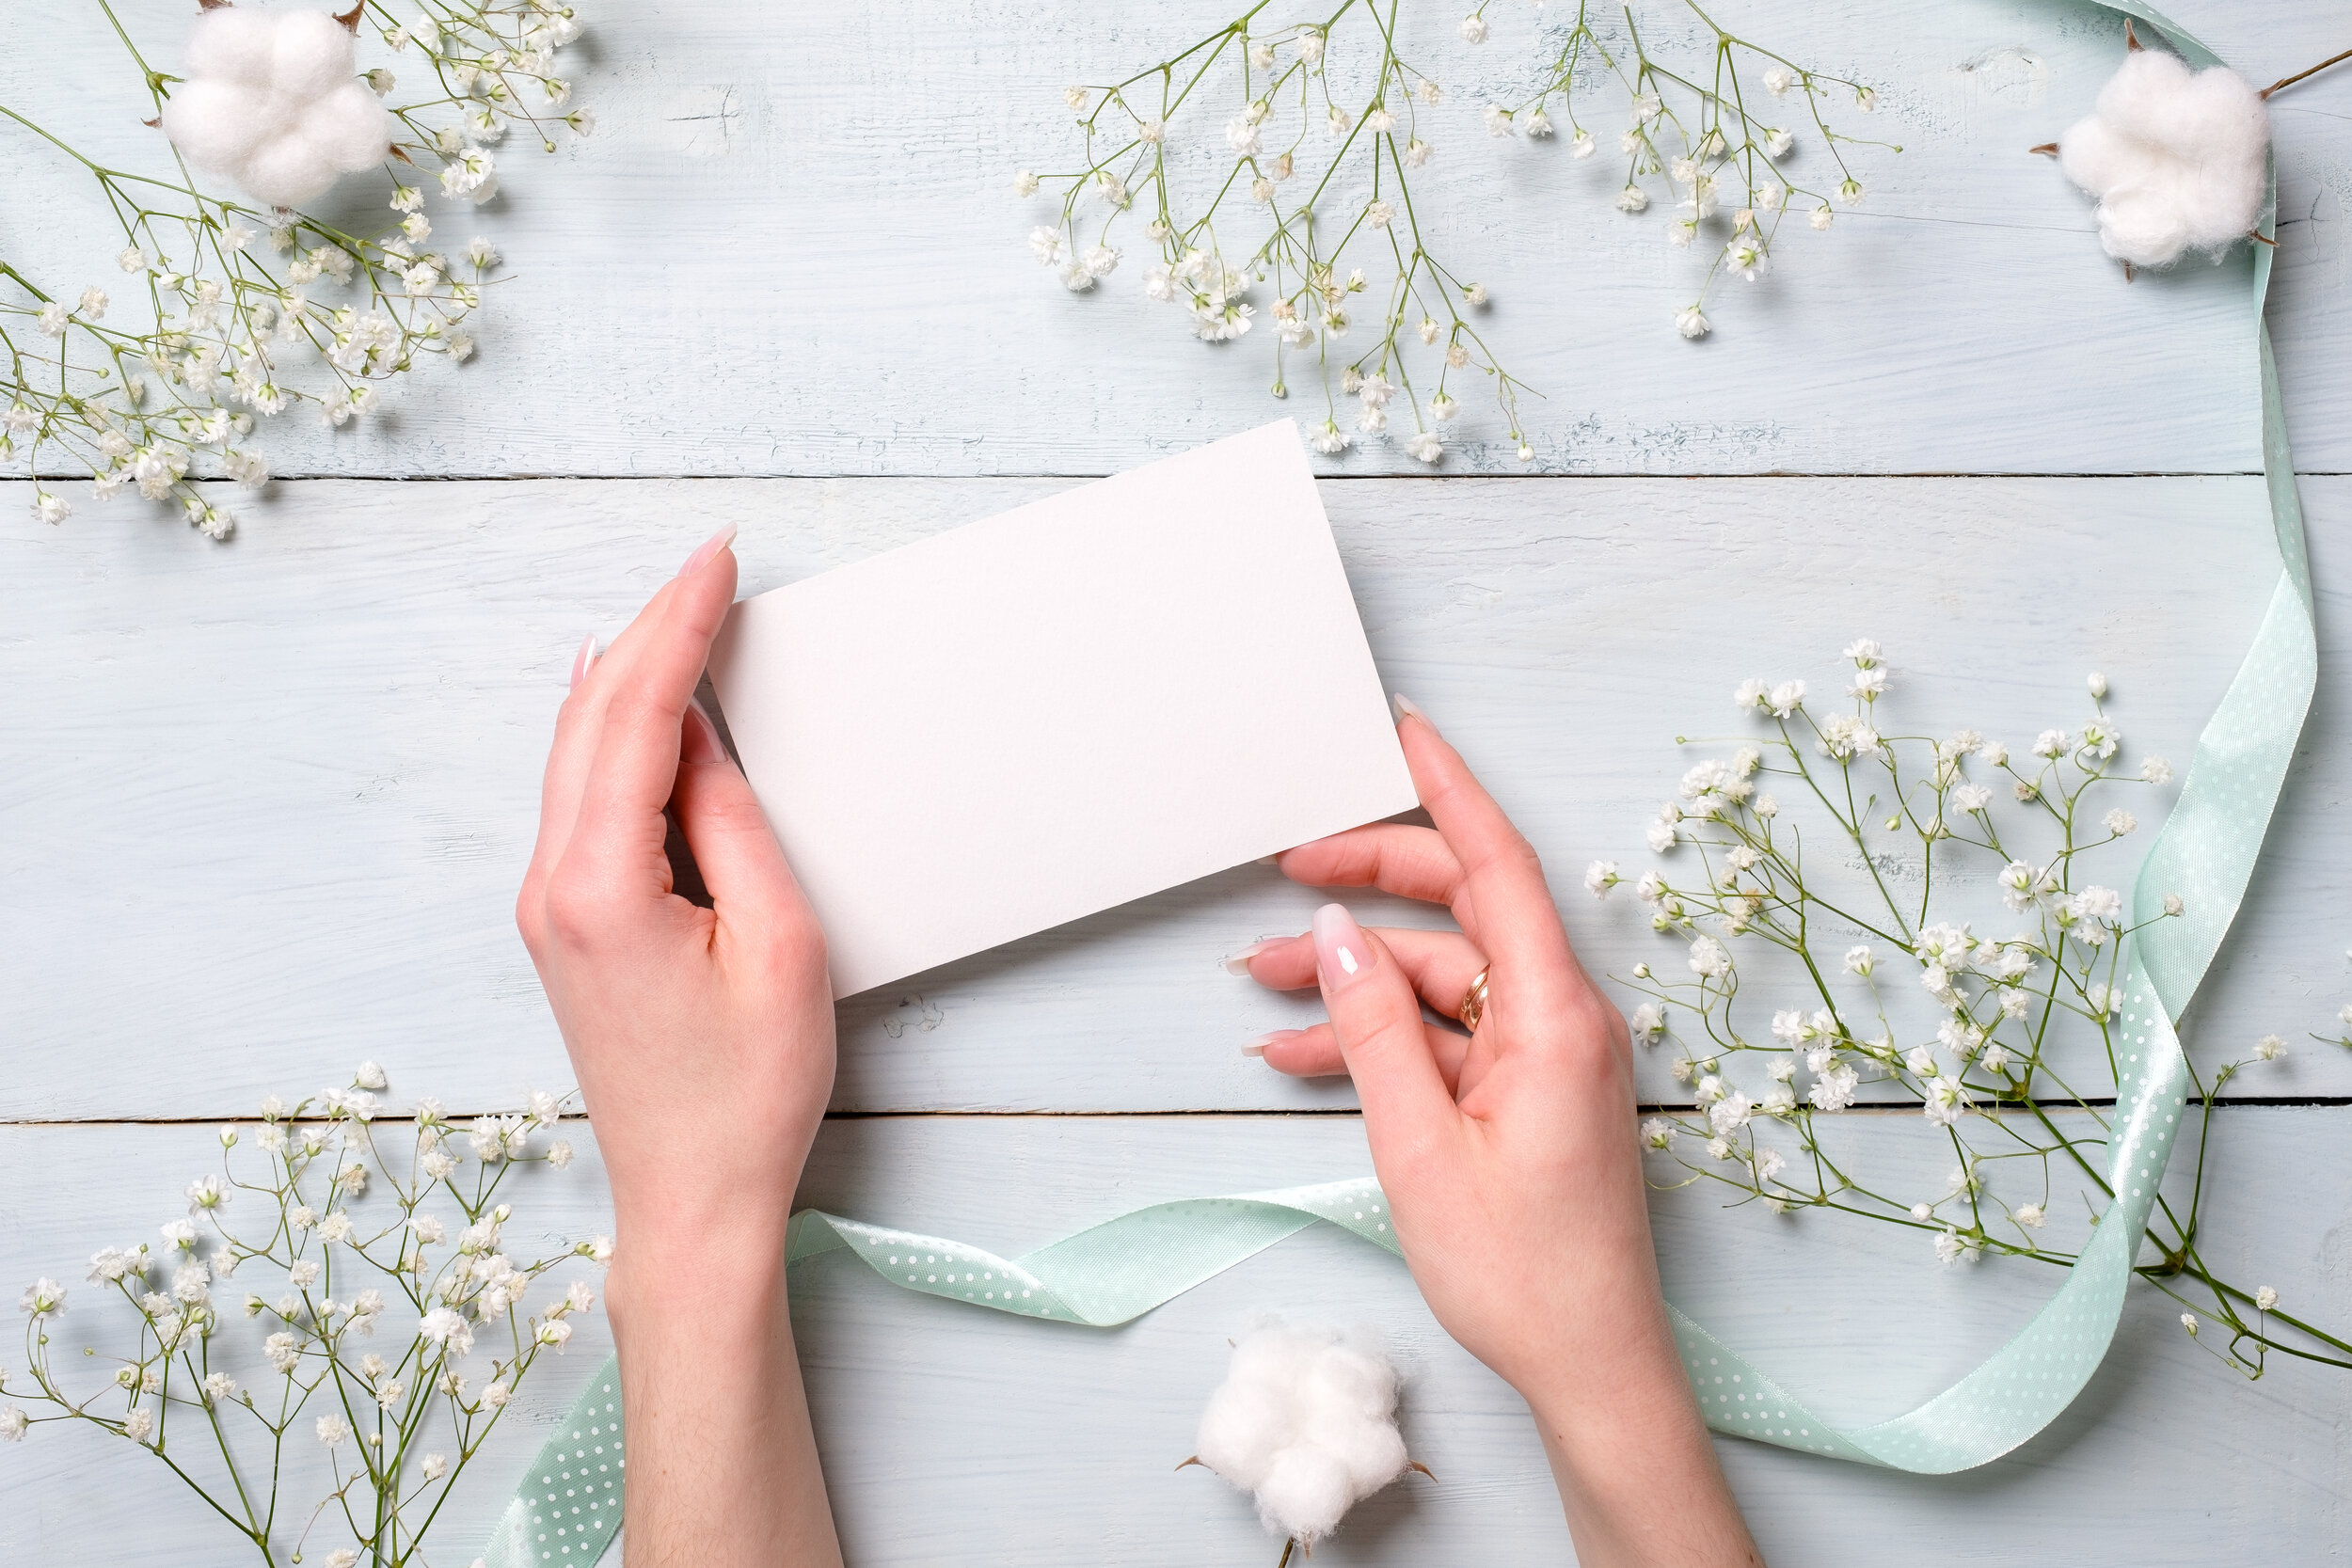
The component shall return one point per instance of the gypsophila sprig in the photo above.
(1713, 138)
(1822, 883)
(1308, 213)
(239, 311)
(394, 1315)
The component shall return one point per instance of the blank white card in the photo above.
(1039, 716)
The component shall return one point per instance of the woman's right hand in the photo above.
(1509, 1156)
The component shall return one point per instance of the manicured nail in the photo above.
(706, 549)
(1406, 708)
(582, 659)
(1341, 954)
(701, 736)
(1238, 963)
(1257, 1047)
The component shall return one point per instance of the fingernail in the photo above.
(1238, 963)
(1341, 954)
(582, 659)
(1269, 860)
(706, 549)
(1407, 709)
(1257, 1047)
(702, 735)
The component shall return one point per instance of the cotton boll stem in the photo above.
(2300, 75)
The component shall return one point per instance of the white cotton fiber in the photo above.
(2174, 156)
(233, 43)
(1306, 1422)
(312, 55)
(273, 101)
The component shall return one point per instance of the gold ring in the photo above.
(1473, 1005)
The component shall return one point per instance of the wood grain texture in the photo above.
(262, 809)
(268, 808)
(952, 1435)
(793, 249)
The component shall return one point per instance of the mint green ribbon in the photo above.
(569, 1503)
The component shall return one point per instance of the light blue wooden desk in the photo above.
(262, 807)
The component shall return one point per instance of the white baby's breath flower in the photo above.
(1708, 960)
(1945, 1102)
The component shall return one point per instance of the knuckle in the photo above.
(1388, 1033)
(530, 906)
(795, 939)
(639, 712)
(1594, 1021)
(579, 915)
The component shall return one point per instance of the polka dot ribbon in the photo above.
(569, 1504)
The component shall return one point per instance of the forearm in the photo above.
(722, 1466)
(1637, 1472)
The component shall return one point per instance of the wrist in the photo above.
(1620, 1437)
(1637, 1393)
(695, 1257)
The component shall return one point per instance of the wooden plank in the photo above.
(268, 807)
(954, 1434)
(794, 249)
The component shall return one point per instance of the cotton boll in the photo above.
(2142, 226)
(312, 54)
(1306, 1419)
(2176, 157)
(272, 101)
(1241, 1431)
(233, 43)
(348, 127)
(286, 171)
(1305, 1495)
(216, 121)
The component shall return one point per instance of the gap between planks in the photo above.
(1304, 1113)
(1512, 475)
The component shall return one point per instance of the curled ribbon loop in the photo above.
(1125, 1266)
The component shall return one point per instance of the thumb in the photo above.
(741, 863)
(1377, 1016)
